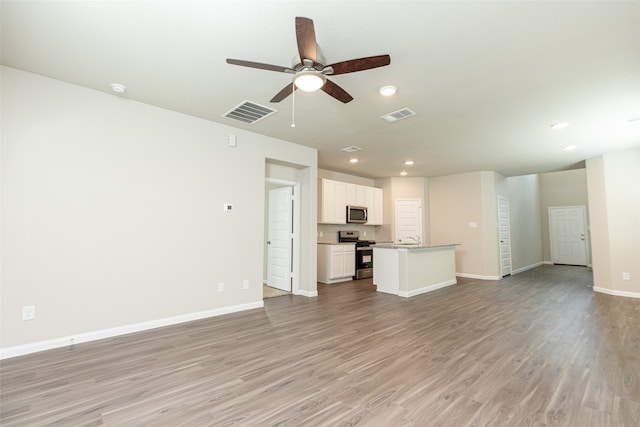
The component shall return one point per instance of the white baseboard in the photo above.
(306, 293)
(528, 267)
(548, 262)
(21, 350)
(426, 289)
(616, 293)
(476, 276)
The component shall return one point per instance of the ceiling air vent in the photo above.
(351, 149)
(249, 112)
(398, 115)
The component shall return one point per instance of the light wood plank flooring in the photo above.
(535, 349)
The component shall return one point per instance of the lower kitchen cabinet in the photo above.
(336, 262)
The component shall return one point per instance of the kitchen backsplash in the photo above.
(328, 233)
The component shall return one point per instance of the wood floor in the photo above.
(535, 349)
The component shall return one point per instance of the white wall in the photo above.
(526, 234)
(614, 209)
(564, 188)
(457, 201)
(112, 214)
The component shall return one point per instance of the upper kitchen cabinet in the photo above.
(333, 202)
(356, 195)
(336, 195)
(374, 205)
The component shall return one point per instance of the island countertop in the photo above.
(413, 246)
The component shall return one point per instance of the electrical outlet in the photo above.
(28, 312)
(626, 276)
(245, 284)
(220, 287)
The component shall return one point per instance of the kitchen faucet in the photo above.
(415, 238)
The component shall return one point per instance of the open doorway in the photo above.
(282, 224)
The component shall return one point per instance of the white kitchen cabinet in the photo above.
(356, 194)
(336, 263)
(336, 195)
(374, 205)
(378, 206)
(333, 202)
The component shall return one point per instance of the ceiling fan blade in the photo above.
(336, 91)
(286, 91)
(260, 66)
(306, 36)
(360, 64)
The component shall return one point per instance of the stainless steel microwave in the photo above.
(356, 214)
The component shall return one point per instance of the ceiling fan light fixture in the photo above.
(309, 81)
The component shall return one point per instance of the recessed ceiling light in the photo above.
(569, 147)
(388, 90)
(354, 160)
(118, 88)
(403, 173)
(408, 162)
(560, 125)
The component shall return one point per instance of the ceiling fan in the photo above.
(311, 72)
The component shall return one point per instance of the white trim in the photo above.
(509, 234)
(296, 219)
(528, 267)
(476, 276)
(426, 289)
(547, 262)
(21, 350)
(305, 293)
(616, 293)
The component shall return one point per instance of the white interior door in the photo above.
(408, 221)
(279, 241)
(504, 234)
(568, 235)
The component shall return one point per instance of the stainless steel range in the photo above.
(364, 253)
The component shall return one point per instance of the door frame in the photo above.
(295, 218)
(506, 199)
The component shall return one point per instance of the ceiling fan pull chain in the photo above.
(293, 104)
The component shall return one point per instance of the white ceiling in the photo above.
(486, 79)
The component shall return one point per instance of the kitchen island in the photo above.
(409, 270)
